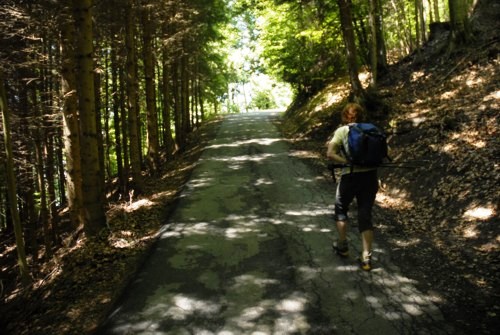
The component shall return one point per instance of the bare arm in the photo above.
(332, 153)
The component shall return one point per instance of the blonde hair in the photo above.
(352, 113)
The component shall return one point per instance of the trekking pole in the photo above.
(414, 164)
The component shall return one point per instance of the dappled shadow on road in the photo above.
(248, 251)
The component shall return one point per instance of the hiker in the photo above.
(355, 182)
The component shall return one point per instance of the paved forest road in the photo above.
(248, 251)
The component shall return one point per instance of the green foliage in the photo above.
(299, 43)
(263, 100)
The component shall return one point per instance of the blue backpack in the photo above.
(366, 145)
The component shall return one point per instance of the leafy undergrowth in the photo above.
(440, 218)
(73, 292)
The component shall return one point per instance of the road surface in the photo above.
(248, 251)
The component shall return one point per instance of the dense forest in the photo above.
(97, 98)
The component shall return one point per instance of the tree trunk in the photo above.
(185, 95)
(437, 16)
(94, 215)
(459, 22)
(381, 48)
(149, 73)
(404, 25)
(350, 47)
(374, 48)
(117, 102)
(124, 127)
(422, 21)
(71, 131)
(38, 133)
(133, 121)
(12, 185)
(179, 136)
(51, 190)
(169, 142)
(106, 111)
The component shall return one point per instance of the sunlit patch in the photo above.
(121, 243)
(407, 243)
(185, 306)
(474, 81)
(490, 246)
(492, 96)
(416, 121)
(479, 213)
(202, 182)
(304, 154)
(450, 147)
(364, 77)
(392, 315)
(263, 181)
(259, 141)
(252, 313)
(330, 99)
(346, 268)
(232, 233)
(412, 309)
(304, 180)
(470, 231)
(244, 158)
(291, 305)
(317, 212)
(449, 95)
(471, 137)
(161, 195)
(397, 199)
(140, 204)
(417, 75)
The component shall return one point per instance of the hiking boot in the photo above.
(341, 248)
(366, 261)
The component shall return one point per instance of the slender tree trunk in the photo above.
(51, 190)
(179, 136)
(185, 95)
(422, 21)
(26, 184)
(350, 47)
(61, 179)
(404, 24)
(39, 135)
(167, 106)
(374, 49)
(149, 73)
(381, 47)
(12, 185)
(124, 127)
(98, 124)
(71, 131)
(437, 16)
(133, 120)
(106, 111)
(116, 116)
(91, 175)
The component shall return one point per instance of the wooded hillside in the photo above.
(105, 108)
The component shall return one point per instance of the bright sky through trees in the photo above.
(253, 88)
